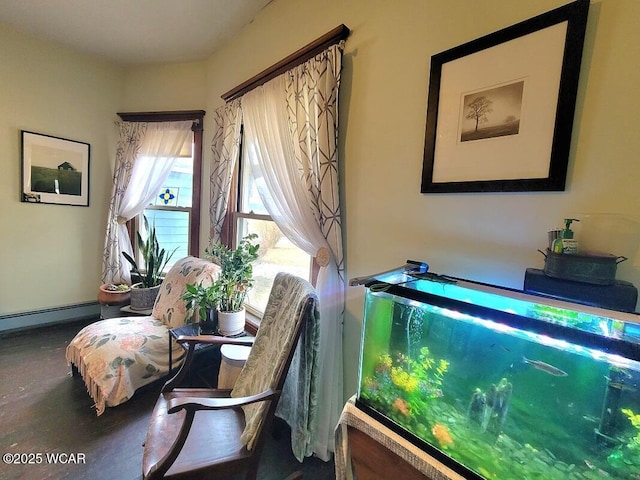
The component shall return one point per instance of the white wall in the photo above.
(486, 237)
(50, 255)
(158, 88)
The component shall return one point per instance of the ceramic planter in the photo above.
(231, 323)
(208, 325)
(143, 298)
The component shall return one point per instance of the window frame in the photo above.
(197, 128)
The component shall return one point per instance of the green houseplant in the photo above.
(143, 294)
(236, 275)
(204, 301)
(234, 282)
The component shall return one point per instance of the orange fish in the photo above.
(442, 434)
(402, 406)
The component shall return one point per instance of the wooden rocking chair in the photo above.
(227, 435)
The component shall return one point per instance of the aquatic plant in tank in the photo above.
(407, 385)
(501, 385)
(626, 456)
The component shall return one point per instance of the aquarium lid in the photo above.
(597, 328)
(415, 277)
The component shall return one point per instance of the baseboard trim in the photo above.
(14, 322)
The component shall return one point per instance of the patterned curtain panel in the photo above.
(225, 147)
(290, 136)
(312, 105)
(144, 158)
(131, 134)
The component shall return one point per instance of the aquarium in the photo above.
(498, 384)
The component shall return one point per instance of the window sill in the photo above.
(252, 322)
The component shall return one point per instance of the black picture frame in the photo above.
(529, 72)
(55, 170)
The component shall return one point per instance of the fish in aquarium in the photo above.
(545, 367)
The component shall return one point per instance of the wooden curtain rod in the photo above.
(173, 116)
(293, 60)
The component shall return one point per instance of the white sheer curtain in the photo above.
(292, 147)
(144, 158)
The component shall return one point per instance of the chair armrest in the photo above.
(215, 340)
(207, 403)
(191, 341)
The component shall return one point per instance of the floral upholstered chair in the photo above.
(117, 356)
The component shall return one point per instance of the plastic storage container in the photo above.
(498, 384)
(233, 358)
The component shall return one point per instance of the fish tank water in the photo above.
(499, 384)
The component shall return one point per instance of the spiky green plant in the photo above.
(155, 258)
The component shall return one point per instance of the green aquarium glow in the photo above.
(498, 384)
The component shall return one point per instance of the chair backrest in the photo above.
(292, 303)
(169, 308)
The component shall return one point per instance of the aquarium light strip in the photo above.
(456, 287)
(621, 346)
(546, 340)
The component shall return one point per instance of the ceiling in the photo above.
(134, 31)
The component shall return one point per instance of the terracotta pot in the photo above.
(113, 297)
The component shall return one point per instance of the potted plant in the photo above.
(234, 282)
(204, 301)
(144, 293)
(114, 294)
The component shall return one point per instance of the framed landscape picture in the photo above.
(54, 170)
(500, 108)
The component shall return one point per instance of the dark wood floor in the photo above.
(45, 410)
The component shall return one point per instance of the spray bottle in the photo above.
(565, 243)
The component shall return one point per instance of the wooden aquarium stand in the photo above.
(366, 449)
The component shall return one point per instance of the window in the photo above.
(175, 211)
(171, 211)
(277, 253)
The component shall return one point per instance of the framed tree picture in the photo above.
(54, 170)
(500, 108)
